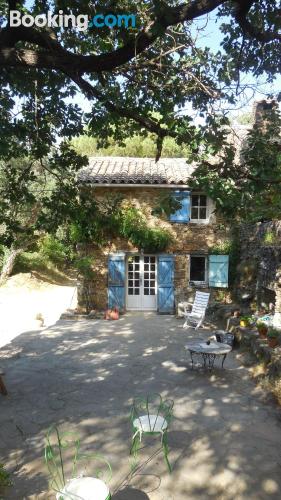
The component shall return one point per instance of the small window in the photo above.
(199, 207)
(182, 214)
(198, 269)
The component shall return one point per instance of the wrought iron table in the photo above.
(208, 353)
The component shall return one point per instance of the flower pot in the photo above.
(262, 332)
(272, 342)
(244, 323)
(112, 314)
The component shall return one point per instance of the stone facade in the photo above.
(259, 270)
(188, 239)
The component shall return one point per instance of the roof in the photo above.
(118, 170)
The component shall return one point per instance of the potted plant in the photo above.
(272, 337)
(245, 321)
(4, 478)
(262, 329)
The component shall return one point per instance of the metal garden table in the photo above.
(208, 353)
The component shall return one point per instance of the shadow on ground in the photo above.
(224, 440)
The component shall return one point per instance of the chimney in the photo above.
(263, 111)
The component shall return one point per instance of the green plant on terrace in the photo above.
(269, 238)
(4, 477)
(273, 333)
(221, 248)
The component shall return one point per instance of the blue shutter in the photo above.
(183, 214)
(166, 284)
(218, 270)
(116, 281)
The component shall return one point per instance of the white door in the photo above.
(142, 282)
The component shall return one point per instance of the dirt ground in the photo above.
(23, 297)
(224, 440)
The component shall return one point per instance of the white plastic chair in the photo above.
(195, 318)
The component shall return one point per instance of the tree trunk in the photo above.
(9, 264)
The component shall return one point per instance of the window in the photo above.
(199, 207)
(209, 270)
(182, 215)
(198, 269)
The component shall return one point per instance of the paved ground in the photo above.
(225, 438)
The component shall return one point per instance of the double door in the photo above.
(141, 282)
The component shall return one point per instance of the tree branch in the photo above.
(248, 28)
(133, 114)
(166, 16)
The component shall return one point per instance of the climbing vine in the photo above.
(133, 226)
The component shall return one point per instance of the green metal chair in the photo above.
(63, 449)
(151, 415)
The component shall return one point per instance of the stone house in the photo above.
(258, 275)
(133, 279)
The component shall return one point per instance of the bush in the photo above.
(4, 477)
(223, 248)
(28, 262)
(56, 251)
(133, 227)
(273, 333)
(83, 265)
(2, 255)
(270, 238)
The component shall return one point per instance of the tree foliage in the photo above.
(133, 226)
(247, 186)
(136, 146)
(139, 82)
(129, 74)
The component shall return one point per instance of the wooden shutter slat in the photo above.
(166, 284)
(116, 281)
(218, 271)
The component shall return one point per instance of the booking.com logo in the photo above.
(81, 22)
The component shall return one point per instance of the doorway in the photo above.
(141, 289)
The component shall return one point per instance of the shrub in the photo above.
(4, 477)
(27, 262)
(273, 333)
(223, 248)
(83, 265)
(54, 250)
(269, 238)
(133, 227)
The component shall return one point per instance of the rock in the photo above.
(232, 323)
(99, 315)
(244, 336)
(72, 316)
(275, 365)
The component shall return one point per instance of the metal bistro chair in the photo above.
(80, 486)
(151, 415)
(195, 318)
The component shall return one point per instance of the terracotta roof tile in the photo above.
(119, 170)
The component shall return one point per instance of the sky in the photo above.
(212, 39)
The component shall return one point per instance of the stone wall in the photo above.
(259, 270)
(188, 239)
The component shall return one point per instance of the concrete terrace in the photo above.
(225, 438)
